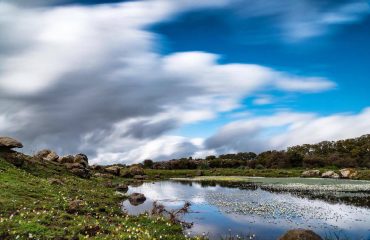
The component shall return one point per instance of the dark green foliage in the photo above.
(148, 163)
(344, 153)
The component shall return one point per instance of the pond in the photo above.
(264, 208)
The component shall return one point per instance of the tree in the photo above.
(148, 163)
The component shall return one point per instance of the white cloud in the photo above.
(263, 100)
(285, 129)
(310, 84)
(88, 78)
(293, 21)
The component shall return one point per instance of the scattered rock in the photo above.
(16, 158)
(330, 174)
(137, 199)
(348, 173)
(96, 167)
(74, 165)
(81, 159)
(77, 165)
(114, 170)
(47, 155)
(103, 175)
(134, 170)
(75, 206)
(7, 143)
(140, 177)
(311, 173)
(300, 234)
(66, 159)
(55, 181)
(122, 188)
(81, 172)
(109, 184)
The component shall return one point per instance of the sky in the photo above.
(124, 81)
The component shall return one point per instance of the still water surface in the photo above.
(251, 211)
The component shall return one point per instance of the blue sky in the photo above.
(341, 53)
(128, 80)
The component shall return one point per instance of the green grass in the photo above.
(32, 207)
(294, 172)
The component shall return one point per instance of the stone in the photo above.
(66, 159)
(348, 173)
(75, 206)
(330, 174)
(114, 170)
(300, 234)
(81, 159)
(16, 158)
(137, 199)
(110, 184)
(47, 155)
(96, 167)
(74, 165)
(310, 173)
(122, 188)
(103, 175)
(81, 172)
(132, 171)
(55, 181)
(9, 143)
(140, 177)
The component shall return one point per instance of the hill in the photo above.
(43, 200)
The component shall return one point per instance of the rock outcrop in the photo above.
(81, 159)
(78, 164)
(310, 173)
(16, 158)
(96, 167)
(133, 171)
(66, 159)
(47, 155)
(81, 172)
(300, 234)
(330, 174)
(7, 143)
(114, 170)
(349, 173)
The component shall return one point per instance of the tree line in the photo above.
(353, 152)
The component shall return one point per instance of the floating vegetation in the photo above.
(254, 208)
(314, 184)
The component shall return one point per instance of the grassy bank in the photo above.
(295, 172)
(35, 203)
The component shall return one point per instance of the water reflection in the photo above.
(218, 208)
